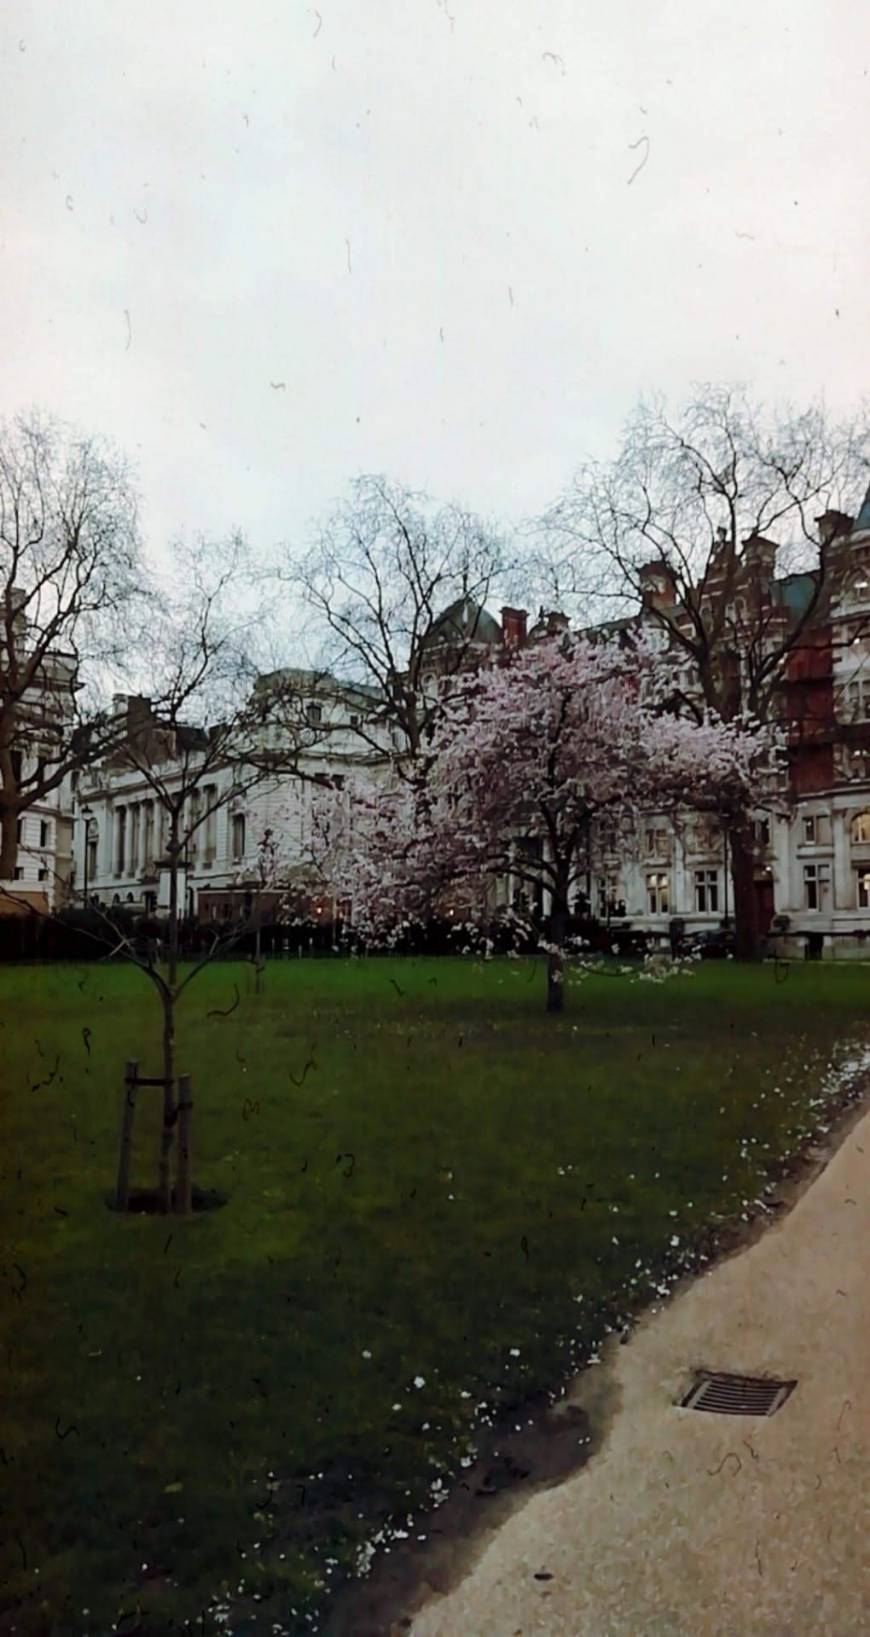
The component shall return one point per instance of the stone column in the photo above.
(681, 900)
(782, 836)
(843, 876)
(135, 837)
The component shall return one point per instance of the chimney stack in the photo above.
(657, 585)
(759, 557)
(831, 524)
(18, 598)
(138, 708)
(513, 625)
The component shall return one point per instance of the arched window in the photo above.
(861, 829)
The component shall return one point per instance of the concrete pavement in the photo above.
(693, 1525)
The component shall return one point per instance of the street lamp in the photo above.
(87, 815)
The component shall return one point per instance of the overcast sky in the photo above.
(462, 235)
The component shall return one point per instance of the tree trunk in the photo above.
(167, 1128)
(170, 1113)
(128, 1114)
(746, 921)
(556, 961)
(8, 842)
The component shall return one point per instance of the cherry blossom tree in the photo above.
(530, 756)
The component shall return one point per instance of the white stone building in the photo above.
(122, 827)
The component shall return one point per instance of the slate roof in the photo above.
(862, 521)
(464, 621)
(795, 590)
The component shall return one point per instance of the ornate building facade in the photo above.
(812, 872)
(123, 828)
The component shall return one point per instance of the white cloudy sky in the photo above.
(419, 216)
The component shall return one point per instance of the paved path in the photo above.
(665, 1533)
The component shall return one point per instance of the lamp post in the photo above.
(87, 815)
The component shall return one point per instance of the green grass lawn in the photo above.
(434, 1219)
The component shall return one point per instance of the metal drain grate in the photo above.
(723, 1394)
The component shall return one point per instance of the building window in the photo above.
(809, 829)
(120, 839)
(864, 887)
(238, 836)
(19, 872)
(354, 721)
(43, 874)
(193, 820)
(857, 700)
(92, 857)
(209, 796)
(707, 891)
(19, 830)
(861, 829)
(43, 832)
(313, 715)
(658, 892)
(608, 900)
(815, 881)
(762, 833)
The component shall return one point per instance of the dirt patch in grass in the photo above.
(146, 1202)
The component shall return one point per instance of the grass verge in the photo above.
(439, 1198)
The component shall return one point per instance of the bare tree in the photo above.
(70, 577)
(386, 582)
(725, 526)
(192, 744)
(204, 739)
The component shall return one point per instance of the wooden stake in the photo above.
(184, 1174)
(128, 1114)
